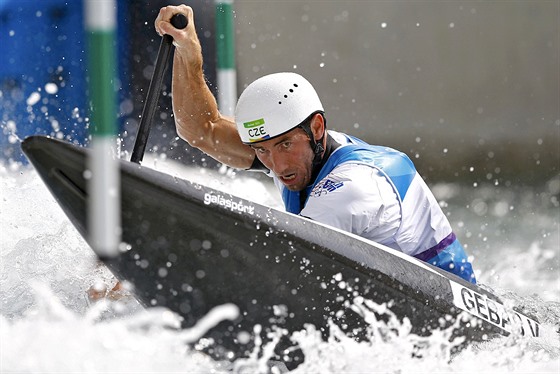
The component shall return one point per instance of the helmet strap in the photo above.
(316, 146)
(320, 154)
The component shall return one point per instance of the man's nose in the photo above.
(278, 162)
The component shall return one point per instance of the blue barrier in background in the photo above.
(43, 87)
(43, 76)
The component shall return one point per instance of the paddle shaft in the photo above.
(179, 21)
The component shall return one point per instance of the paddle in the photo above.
(179, 21)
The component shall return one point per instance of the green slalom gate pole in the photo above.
(225, 51)
(104, 185)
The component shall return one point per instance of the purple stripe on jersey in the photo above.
(437, 249)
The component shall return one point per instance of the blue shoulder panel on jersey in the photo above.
(396, 166)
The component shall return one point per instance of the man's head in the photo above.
(273, 105)
(281, 117)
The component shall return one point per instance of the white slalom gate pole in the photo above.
(104, 226)
(225, 51)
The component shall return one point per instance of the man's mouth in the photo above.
(288, 178)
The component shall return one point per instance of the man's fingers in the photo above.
(163, 21)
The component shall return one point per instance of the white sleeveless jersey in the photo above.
(361, 198)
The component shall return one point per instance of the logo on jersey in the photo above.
(327, 185)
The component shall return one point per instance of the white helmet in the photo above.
(273, 105)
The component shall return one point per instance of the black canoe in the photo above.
(193, 248)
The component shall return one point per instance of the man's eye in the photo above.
(286, 144)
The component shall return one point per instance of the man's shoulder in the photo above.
(340, 137)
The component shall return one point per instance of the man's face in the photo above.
(289, 157)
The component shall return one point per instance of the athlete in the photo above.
(333, 178)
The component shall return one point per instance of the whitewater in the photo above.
(48, 324)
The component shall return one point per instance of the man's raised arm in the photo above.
(197, 118)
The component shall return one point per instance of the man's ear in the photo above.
(318, 126)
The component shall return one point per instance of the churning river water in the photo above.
(49, 325)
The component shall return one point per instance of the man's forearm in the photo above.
(194, 106)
